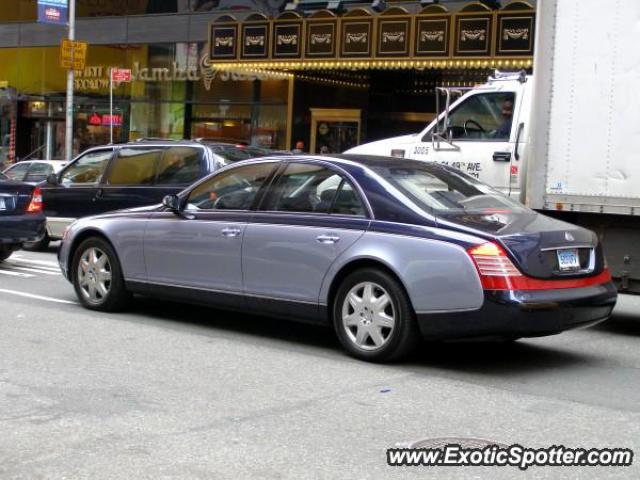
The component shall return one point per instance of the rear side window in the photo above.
(134, 166)
(313, 188)
(88, 169)
(38, 172)
(180, 165)
(18, 171)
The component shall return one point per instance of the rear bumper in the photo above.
(17, 229)
(524, 313)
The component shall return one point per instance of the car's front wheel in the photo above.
(373, 317)
(97, 276)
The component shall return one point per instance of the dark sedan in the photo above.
(21, 217)
(384, 250)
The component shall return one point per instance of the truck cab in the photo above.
(481, 133)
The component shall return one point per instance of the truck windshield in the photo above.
(486, 116)
(435, 188)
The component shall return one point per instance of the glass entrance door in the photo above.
(334, 130)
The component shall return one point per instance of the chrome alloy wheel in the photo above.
(368, 316)
(94, 275)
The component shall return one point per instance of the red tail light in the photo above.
(36, 201)
(497, 272)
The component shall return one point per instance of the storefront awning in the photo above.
(474, 37)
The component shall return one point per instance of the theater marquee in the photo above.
(358, 38)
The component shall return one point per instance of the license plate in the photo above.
(568, 259)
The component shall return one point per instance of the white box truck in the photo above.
(566, 140)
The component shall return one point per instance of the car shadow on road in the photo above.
(622, 324)
(213, 321)
(487, 357)
(494, 357)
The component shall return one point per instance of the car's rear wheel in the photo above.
(373, 317)
(97, 276)
(4, 254)
(39, 245)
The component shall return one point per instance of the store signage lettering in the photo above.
(96, 77)
(53, 11)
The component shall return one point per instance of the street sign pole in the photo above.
(111, 105)
(68, 144)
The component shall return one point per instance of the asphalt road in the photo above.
(174, 391)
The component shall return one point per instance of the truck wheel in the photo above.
(38, 246)
(97, 276)
(373, 317)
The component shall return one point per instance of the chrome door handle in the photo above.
(230, 232)
(328, 239)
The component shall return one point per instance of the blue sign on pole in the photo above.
(53, 11)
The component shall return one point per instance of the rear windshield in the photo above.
(437, 189)
(232, 154)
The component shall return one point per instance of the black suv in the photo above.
(130, 175)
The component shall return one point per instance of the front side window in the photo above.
(486, 116)
(443, 190)
(180, 166)
(18, 171)
(311, 188)
(134, 166)
(235, 189)
(88, 169)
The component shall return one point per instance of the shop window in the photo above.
(88, 169)
(134, 166)
(234, 190)
(180, 165)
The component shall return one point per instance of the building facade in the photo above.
(329, 88)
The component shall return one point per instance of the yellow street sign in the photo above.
(73, 54)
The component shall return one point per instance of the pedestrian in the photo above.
(299, 147)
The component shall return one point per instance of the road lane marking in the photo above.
(35, 270)
(37, 262)
(37, 297)
(15, 274)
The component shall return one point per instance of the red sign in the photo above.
(115, 120)
(121, 74)
(95, 119)
(105, 120)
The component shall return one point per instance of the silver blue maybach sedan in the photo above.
(386, 251)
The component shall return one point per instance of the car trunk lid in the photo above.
(14, 197)
(540, 246)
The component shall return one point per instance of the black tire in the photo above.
(38, 246)
(117, 297)
(4, 254)
(403, 337)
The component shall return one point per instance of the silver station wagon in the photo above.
(385, 251)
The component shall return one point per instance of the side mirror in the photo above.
(52, 179)
(172, 203)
